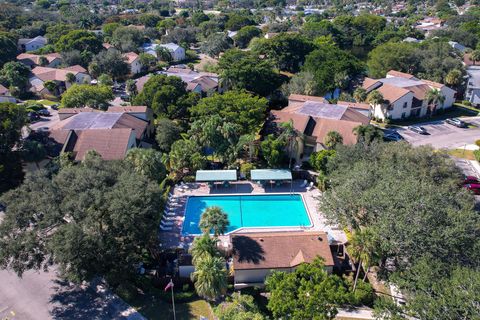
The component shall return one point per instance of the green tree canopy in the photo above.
(80, 40)
(85, 95)
(95, 218)
(166, 134)
(147, 162)
(185, 154)
(329, 60)
(309, 292)
(237, 107)
(15, 75)
(210, 277)
(244, 70)
(109, 62)
(167, 96)
(215, 44)
(127, 39)
(238, 307)
(287, 51)
(410, 198)
(244, 35)
(8, 48)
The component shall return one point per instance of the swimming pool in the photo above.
(249, 211)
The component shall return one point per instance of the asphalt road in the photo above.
(42, 296)
(442, 135)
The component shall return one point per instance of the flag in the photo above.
(169, 285)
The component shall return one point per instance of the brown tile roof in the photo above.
(304, 98)
(76, 68)
(345, 128)
(30, 58)
(354, 105)
(127, 109)
(76, 110)
(274, 250)
(107, 45)
(300, 121)
(140, 83)
(391, 93)
(206, 82)
(352, 115)
(111, 144)
(419, 91)
(399, 74)
(368, 83)
(191, 86)
(433, 84)
(3, 90)
(48, 74)
(131, 57)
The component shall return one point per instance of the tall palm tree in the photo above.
(214, 218)
(360, 94)
(362, 248)
(367, 133)
(454, 78)
(202, 247)
(434, 97)
(333, 139)
(210, 277)
(375, 98)
(291, 136)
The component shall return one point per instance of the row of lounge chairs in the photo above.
(167, 222)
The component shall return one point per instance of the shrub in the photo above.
(476, 153)
(189, 179)
(245, 169)
(477, 142)
(467, 103)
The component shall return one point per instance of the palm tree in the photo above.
(214, 218)
(434, 97)
(475, 56)
(210, 277)
(202, 247)
(360, 94)
(70, 78)
(333, 139)
(375, 98)
(454, 78)
(367, 133)
(362, 248)
(291, 135)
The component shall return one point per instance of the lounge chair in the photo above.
(226, 184)
(310, 186)
(166, 223)
(166, 228)
(170, 214)
(278, 183)
(304, 184)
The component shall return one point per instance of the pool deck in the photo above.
(174, 239)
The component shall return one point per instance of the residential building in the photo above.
(472, 93)
(457, 46)
(257, 255)
(111, 134)
(177, 52)
(42, 74)
(405, 96)
(314, 118)
(33, 60)
(133, 61)
(31, 44)
(429, 24)
(200, 82)
(5, 95)
(141, 112)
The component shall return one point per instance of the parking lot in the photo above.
(442, 135)
(46, 122)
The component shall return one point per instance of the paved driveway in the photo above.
(42, 296)
(48, 122)
(443, 135)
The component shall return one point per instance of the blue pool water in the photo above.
(249, 211)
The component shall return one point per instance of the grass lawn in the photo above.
(460, 153)
(156, 309)
(43, 101)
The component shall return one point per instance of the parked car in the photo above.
(44, 112)
(33, 116)
(471, 179)
(55, 106)
(418, 129)
(456, 122)
(392, 136)
(42, 129)
(474, 187)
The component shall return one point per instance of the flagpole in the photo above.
(173, 303)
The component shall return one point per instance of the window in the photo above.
(404, 115)
(405, 105)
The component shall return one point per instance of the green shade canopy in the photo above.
(216, 175)
(270, 174)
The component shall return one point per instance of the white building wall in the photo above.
(135, 67)
(399, 108)
(449, 95)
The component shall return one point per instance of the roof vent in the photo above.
(261, 239)
(320, 238)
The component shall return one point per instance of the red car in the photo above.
(474, 187)
(471, 179)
